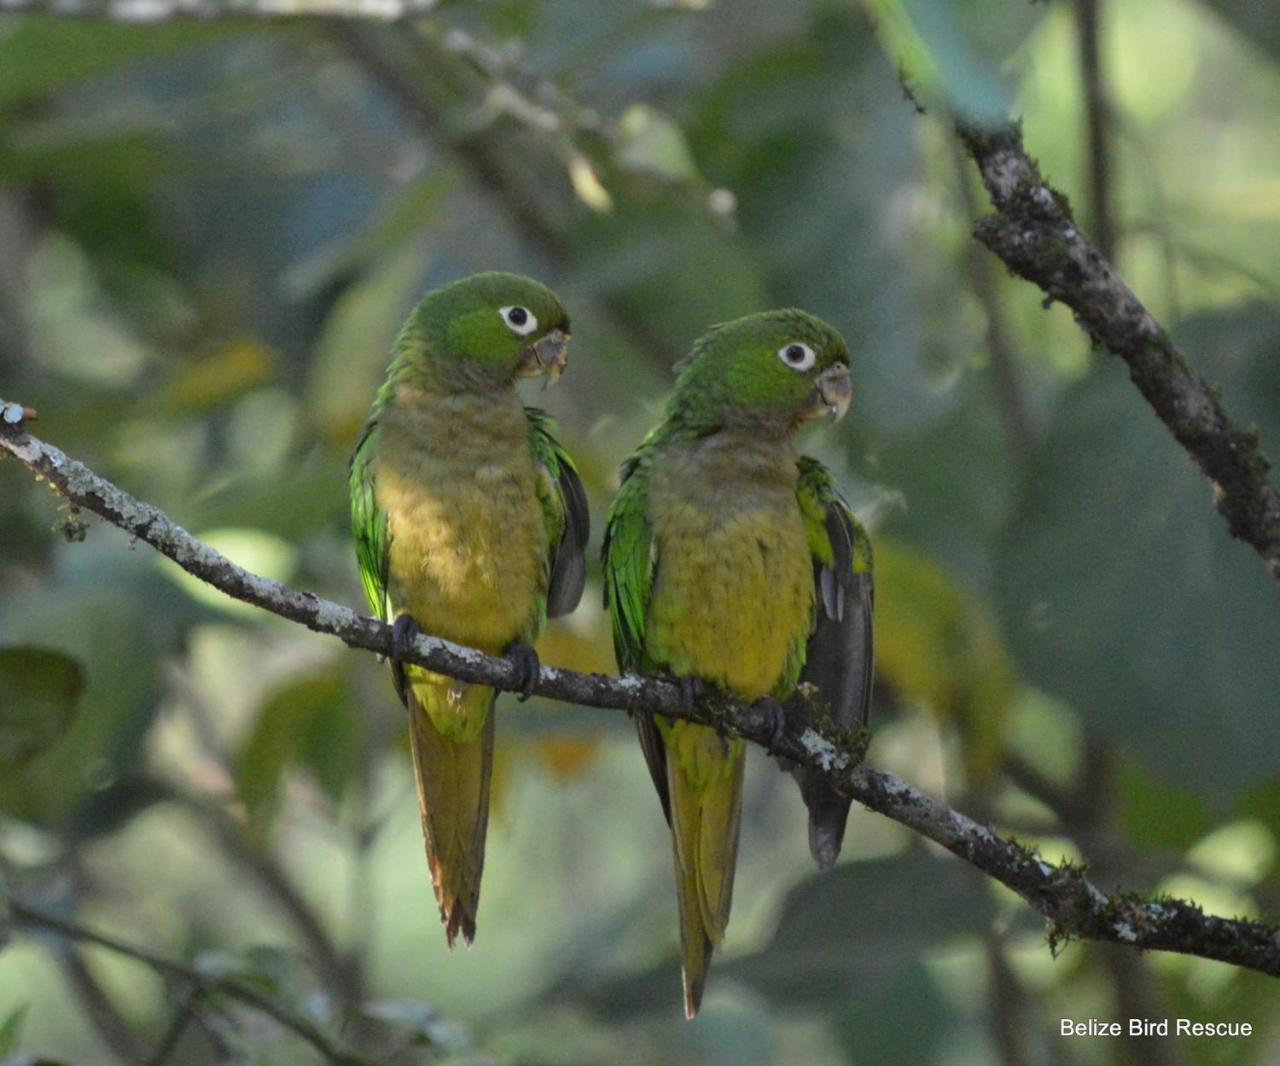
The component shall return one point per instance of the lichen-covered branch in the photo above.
(147, 11)
(1033, 231)
(1062, 894)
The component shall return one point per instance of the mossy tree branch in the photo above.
(1060, 893)
(1034, 233)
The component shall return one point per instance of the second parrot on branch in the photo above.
(731, 562)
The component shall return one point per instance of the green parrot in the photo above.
(470, 523)
(731, 561)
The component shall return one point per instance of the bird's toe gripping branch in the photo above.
(524, 660)
(776, 716)
(404, 631)
(693, 691)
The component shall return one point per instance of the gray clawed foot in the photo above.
(527, 666)
(693, 690)
(776, 715)
(404, 631)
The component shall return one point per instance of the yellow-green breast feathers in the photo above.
(713, 571)
(470, 519)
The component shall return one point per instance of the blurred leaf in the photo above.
(270, 968)
(40, 691)
(423, 1026)
(1125, 595)
(629, 255)
(216, 377)
(71, 313)
(1158, 815)
(410, 213)
(11, 1030)
(312, 723)
(970, 81)
(958, 477)
(106, 810)
(650, 141)
(106, 607)
(352, 350)
(567, 756)
(586, 183)
(291, 502)
(258, 552)
(101, 181)
(1241, 853)
(41, 56)
(1262, 802)
(900, 1018)
(939, 644)
(1254, 22)
(569, 644)
(852, 928)
(952, 55)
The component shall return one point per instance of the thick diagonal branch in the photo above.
(1033, 231)
(1060, 893)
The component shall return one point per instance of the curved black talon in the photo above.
(404, 631)
(527, 666)
(777, 717)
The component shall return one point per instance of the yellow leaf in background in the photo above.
(568, 754)
(938, 644)
(343, 430)
(217, 377)
(578, 643)
(586, 184)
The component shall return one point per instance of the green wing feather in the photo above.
(564, 506)
(369, 524)
(839, 659)
(629, 565)
(627, 555)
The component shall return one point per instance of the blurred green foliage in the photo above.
(209, 235)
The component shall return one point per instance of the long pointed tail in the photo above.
(452, 767)
(704, 774)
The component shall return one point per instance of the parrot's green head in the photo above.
(776, 369)
(485, 331)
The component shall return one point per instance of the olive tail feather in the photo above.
(453, 779)
(706, 819)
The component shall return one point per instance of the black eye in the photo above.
(797, 356)
(520, 320)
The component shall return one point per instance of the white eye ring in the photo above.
(520, 320)
(797, 356)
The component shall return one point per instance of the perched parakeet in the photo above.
(732, 561)
(470, 523)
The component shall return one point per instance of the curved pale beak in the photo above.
(831, 394)
(546, 356)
